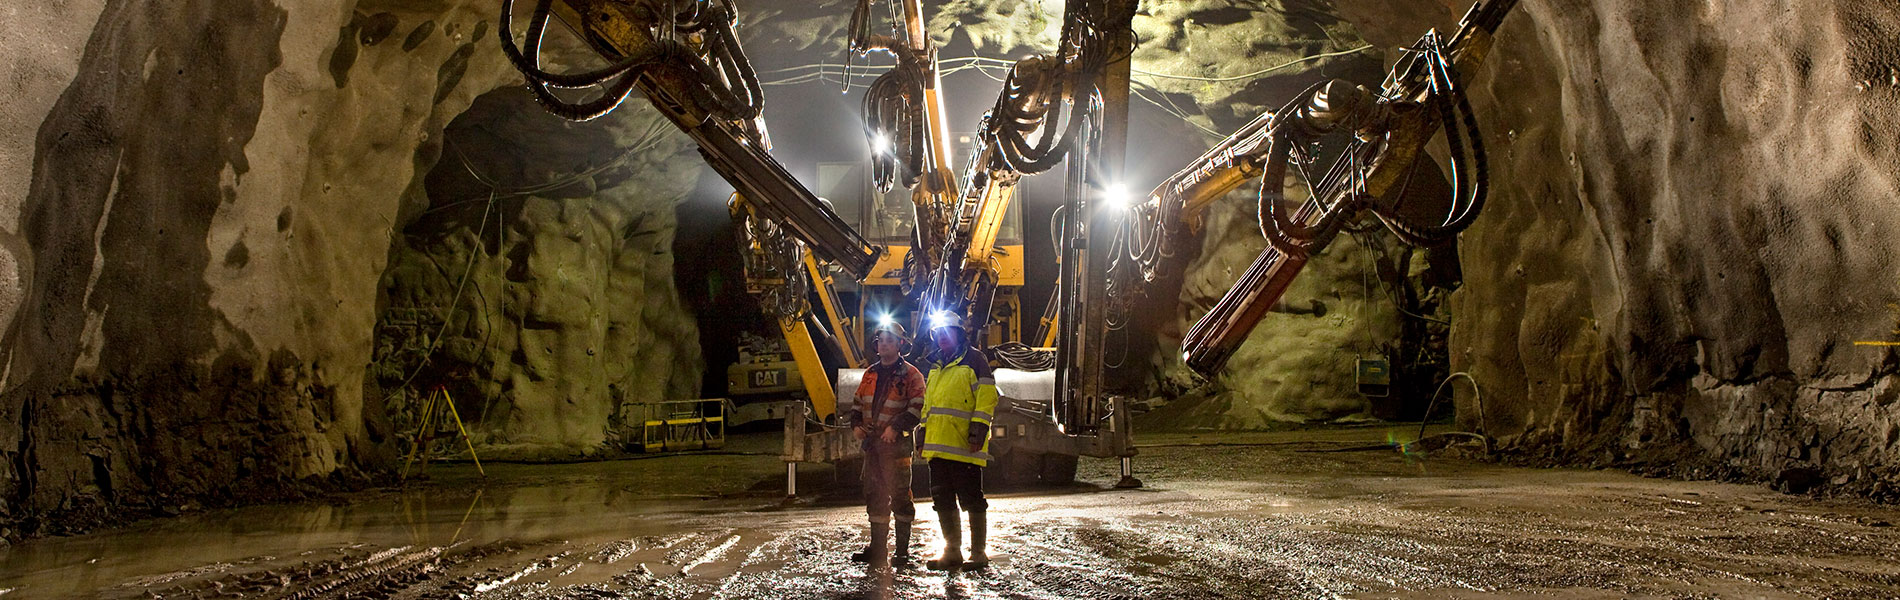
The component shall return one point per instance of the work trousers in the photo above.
(956, 482)
(887, 483)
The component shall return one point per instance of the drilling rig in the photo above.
(1358, 150)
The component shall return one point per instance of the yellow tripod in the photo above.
(435, 406)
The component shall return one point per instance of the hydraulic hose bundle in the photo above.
(1467, 151)
(894, 118)
(1340, 192)
(1039, 85)
(1343, 190)
(724, 82)
(774, 266)
(1022, 357)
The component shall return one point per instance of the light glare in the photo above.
(1116, 197)
(881, 144)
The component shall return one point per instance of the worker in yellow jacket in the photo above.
(959, 405)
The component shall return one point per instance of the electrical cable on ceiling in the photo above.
(1255, 73)
(647, 140)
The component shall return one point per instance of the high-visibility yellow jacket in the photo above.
(959, 404)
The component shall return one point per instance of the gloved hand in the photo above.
(979, 433)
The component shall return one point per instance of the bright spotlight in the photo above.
(886, 320)
(881, 144)
(942, 318)
(1116, 197)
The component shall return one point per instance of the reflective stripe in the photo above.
(956, 451)
(986, 381)
(950, 412)
(982, 417)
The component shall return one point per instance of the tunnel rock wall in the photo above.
(196, 205)
(547, 251)
(1693, 222)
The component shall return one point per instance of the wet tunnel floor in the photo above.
(1283, 516)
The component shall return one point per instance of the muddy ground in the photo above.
(1282, 515)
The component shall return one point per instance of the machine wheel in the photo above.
(1059, 469)
(1015, 469)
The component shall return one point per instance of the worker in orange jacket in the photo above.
(888, 405)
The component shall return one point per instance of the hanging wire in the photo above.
(454, 301)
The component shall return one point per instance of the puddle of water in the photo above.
(587, 503)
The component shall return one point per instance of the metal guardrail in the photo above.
(676, 425)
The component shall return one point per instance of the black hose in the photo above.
(584, 111)
(1467, 152)
(531, 67)
(894, 109)
(727, 87)
(1283, 233)
(1020, 356)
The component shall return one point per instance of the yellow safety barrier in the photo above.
(677, 425)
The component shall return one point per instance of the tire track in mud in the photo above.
(1126, 551)
(1244, 534)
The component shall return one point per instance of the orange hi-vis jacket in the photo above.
(889, 395)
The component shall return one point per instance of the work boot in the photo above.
(878, 553)
(902, 555)
(979, 533)
(952, 542)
